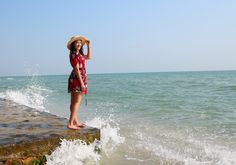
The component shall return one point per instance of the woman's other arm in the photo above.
(78, 74)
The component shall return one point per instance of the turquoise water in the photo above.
(145, 118)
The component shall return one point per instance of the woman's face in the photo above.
(78, 44)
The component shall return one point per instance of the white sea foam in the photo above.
(2, 95)
(76, 152)
(110, 137)
(194, 153)
(31, 95)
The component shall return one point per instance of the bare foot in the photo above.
(73, 127)
(81, 125)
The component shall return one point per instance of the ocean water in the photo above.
(145, 118)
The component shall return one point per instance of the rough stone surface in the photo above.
(27, 134)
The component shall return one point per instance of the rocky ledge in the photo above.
(27, 135)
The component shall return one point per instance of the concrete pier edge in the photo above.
(27, 135)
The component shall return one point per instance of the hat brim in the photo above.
(75, 38)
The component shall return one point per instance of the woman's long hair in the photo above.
(81, 51)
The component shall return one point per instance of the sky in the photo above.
(126, 35)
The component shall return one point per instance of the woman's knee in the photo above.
(76, 98)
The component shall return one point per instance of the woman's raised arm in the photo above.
(88, 56)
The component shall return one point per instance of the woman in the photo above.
(77, 82)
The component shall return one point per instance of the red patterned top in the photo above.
(73, 81)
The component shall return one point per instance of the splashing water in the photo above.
(32, 95)
(110, 137)
(77, 152)
(74, 153)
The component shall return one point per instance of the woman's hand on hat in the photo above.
(87, 42)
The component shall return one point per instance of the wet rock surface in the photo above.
(27, 134)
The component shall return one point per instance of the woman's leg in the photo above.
(76, 120)
(74, 106)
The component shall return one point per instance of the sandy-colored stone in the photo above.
(26, 133)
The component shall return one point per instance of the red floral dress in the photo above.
(73, 81)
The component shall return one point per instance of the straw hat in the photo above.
(75, 38)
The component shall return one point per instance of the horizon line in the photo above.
(121, 73)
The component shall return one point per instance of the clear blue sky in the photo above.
(126, 35)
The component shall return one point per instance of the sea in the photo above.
(183, 118)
